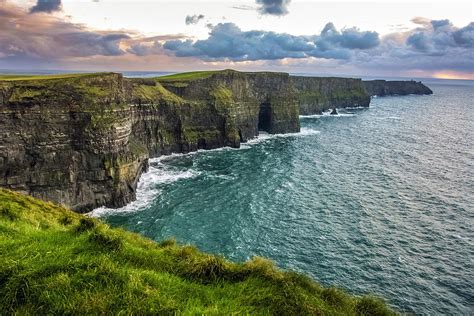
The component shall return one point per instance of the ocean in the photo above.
(377, 200)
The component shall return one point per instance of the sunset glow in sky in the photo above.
(354, 38)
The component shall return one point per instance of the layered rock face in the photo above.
(319, 94)
(69, 141)
(384, 88)
(84, 141)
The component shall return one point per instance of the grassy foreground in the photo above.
(54, 261)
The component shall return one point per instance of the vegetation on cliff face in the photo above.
(56, 261)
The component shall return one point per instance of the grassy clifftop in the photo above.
(15, 77)
(56, 261)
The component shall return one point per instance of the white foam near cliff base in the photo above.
(327, 114)
(264, 136)
(147, 187)
(160, 173)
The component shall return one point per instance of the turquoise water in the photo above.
(377, 200)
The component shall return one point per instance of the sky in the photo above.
(415, 38)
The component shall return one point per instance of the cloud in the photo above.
(47, 6)
(193, 19)
(150, 45)
(228, 42)
(243, 7)
(273, 7)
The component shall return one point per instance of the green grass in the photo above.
(193, 75)
(54, 261)
(46, 77)
(189, 75)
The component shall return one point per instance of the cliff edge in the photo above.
(319, 94)
(385, 88)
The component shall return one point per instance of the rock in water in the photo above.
(334, 112)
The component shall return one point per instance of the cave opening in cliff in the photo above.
(264, 117)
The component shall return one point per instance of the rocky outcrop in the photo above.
(319, 94)
(83, 141)
(384, 88)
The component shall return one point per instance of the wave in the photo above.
(397, 118)
(148, 187)
(327, 114)
(264, 136)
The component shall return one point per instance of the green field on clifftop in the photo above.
(46, 77)
(189, 75)
(56, 261)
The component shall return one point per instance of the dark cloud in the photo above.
(464, 37)
(350, 38)
(437, 24)
(439, 37)
(418, 41)
(47, 6)
(273, 7)
(141, 49)
(193, 19)
(228, 42)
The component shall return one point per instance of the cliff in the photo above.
(55, 261)
(384, 88)
(84, 140)
(250, 101)
(319, 94)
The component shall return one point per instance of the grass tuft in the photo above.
(8, 211)
(106, 240)
(369, 305)
(65, 220)
(167, 243)
(208, 269)
(85, 224)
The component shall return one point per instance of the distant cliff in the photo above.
(319, 94)
(384, 88)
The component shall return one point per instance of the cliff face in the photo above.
(383, 87)
(84, 141)
(69, 141)
(248, 101)
(318, 94)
